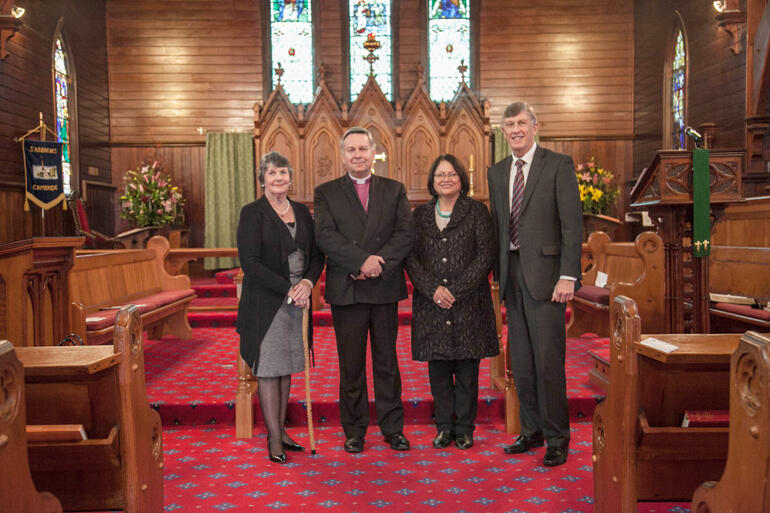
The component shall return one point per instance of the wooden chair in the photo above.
(131, 239)
(17, 491)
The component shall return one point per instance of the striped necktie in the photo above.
(516, 197)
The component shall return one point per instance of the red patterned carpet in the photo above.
(192, 384)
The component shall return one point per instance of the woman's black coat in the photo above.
(460, 258)
(264, 245)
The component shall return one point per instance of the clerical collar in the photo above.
(360, 181)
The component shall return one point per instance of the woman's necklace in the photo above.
(441, 214)
(288, 205)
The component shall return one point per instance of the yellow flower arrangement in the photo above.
(597, 193)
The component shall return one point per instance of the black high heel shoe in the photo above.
(276, 458)
(293, 446)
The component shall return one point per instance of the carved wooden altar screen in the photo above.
(410, 134)
(664, 189)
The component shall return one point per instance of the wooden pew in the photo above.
(639, 452)
(634, 269)
(745, 484)
(102, 282)
(741, 271)
(120, 465)
(17, 491)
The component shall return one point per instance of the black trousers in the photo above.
(537, 344)
(454, 385)
(352, 325)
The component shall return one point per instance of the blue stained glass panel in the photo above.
(61, 86)
(449, 45)
(291, 37)
(370, 17)
(678, 80)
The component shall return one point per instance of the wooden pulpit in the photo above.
(34, 289)
(664, 189)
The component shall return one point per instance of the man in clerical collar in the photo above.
(364, 225)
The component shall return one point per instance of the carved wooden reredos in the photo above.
(412, 134)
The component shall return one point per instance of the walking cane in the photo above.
(306, 346)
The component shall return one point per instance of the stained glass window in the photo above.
(449, 45)
(678, 82)
(61, 84)
(291, 38)
(370, 17)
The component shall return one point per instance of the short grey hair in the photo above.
(516, 108)
(276, 159)
(356, 130)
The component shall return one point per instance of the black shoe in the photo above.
(293, 446)
(555, 456)
(443, 439)
(280, 458)
(464, 440)
(397, 441)
(524, 443)
(354, 444)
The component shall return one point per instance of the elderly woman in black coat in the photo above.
(281, 263)
(453, 323)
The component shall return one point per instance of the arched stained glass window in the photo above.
(291, 40)
(449, 45)
(678, 84)
(370, 17)
(62, 93)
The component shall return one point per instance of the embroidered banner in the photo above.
(701, 203)
(43, 169)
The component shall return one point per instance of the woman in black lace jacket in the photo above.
(453, 323)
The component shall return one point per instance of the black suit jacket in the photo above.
(349, 235)
(264, 244)
(550, 222)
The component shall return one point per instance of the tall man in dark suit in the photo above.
(364, 225)
(536, 208)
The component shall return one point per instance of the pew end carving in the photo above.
(745, 484)
(120, 464)
(17, 493)
(639, 451)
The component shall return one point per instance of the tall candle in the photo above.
(471, 164)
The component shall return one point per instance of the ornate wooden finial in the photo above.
(371, 45)
(420, 72)
(462, 68)
(279, 73)
(321, 73)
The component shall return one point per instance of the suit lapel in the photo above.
(535, 172)
(350, 194)
(373, 215)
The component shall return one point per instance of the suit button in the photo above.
(443, 259)
(448, 323)
(444, 280)
(444, 239)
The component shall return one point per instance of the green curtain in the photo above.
(230, 185)
(502, 149)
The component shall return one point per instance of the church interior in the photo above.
(661, 105)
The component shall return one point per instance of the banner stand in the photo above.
(40, 130)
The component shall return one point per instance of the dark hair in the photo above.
(516, 108)
(465, 183)
(356, 130)
(275, 159)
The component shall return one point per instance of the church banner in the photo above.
(701, 203)
(43, 169)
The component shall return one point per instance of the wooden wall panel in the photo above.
(179, 65)
(716, 80)
(184, 163)
(572, 62)
(26, 89)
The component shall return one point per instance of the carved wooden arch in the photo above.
(411, 134)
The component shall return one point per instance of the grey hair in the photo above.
(516, 108)
(275, 159)
(356, 130)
